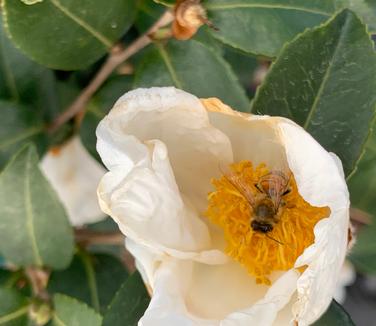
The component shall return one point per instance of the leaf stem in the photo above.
(90, 272)
(14, 315)
(114, 60)
(88, 237)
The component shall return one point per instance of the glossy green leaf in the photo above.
(22, 80)
(91, 279)
(34, 228)
(13, 308)
(19, 124)
(101, 103)
(129, 303)
(67, 34)
(325, 80)
(263, 26)
(193, 67)
(335, 316)
(71, 312)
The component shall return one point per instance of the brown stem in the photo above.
(114, 60)
(38, 280)
(88, 237)
(360, 217)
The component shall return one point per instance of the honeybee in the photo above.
(267, 201)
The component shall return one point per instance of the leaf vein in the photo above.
(101, 38)
(326, 76)
(30, 215)
(169, 66)
(214, 7)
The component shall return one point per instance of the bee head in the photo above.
(261, 227)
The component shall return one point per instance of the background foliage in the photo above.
(322, 75)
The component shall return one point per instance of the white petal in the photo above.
(146, 131)
(321, 183)
(252, 137)
(74, 175)
(149, 209)
(180, 121)
(191, 293)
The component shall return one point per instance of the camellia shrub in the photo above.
(185, 162)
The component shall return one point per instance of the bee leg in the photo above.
(287, 191)
(258, 188)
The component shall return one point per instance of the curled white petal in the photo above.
(161, 151)
(321, 183)
(74, 175)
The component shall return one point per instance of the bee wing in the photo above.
(275, 184)
(240, 185)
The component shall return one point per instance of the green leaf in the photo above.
(13, 308)
(101, 103)
(67, 34)
(147, 13)
(325, 80)
(364, 8)
(22, 80)
(19, 124)
(71, 312)
(34, 228)
(263, 26)
(193, 67)
(129, 303)
(362, 184)
(91, 279)
(244, 67)
(335, 316)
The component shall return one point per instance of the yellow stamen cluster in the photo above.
(258, 252)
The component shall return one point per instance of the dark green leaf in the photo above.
(325, 80)
(34, 229)
(101, 103)
(263, 26)
(194, 67)
(362, 183)
(5, 276)
(335, 316)
(71, 312)
(129, 303)
(91, 279)
(19, 124)
(244, 66)
(67, 34)
(22, 79)
(148, 12)
(13, 308)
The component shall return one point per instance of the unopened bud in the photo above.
(190, 15)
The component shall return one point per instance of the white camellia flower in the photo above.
(192, 185)
(74, 175)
